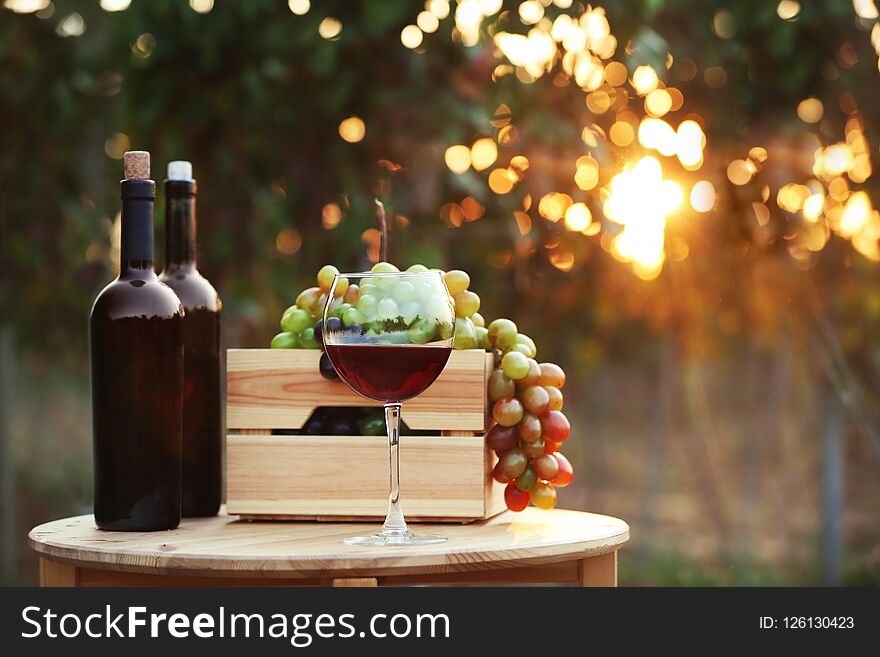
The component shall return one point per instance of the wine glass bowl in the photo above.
(389, 336)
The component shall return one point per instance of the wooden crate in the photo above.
(444, 477)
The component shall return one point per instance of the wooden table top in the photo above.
(226, 546)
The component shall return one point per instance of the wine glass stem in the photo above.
(394, 522)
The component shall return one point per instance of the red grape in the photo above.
(534, 449)
(546, 466)
(536, 400)
(543, 496)
(527, 479)
(501, 439)
(516, 499)
(508, 411)
(555, 395)
(513, 463)
(552, 375)
(498, 474)
(529, 428)
(556, 426)
(551, 447)
(532, 377)
(566, 472)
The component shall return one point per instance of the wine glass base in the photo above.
(381, 539)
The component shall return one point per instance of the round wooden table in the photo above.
(511, 548)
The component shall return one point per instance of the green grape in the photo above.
(372, 425)
(534, 448)
(403, 292)
(513, 463)
(325, 277)
(528, 479)
(437, 307)
(457, 281)
(529, 428)
(444, 330)
(422, 331)
(307, 339)
(295, 320)
(519, 348)
(333, 308)
(387, 309)
(422, 289)
(523, 339)
(369, 288)
(556, 399)
(478, 320)
(465, 338)
(543, 496)
(507, 411)
(409, 311)
(384, 268)
(515, 365)
(284, 340)
(368, 305)
(352, 294)
(482, 335)
(308, 300)
(341, 309)
(500, 386)
(466, 303)
(352, 316)
(341, 287)
(502, 333)
(417, 268)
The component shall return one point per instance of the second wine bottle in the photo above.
(202, 423)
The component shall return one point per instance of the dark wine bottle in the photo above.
(202, 419)
(137, 375)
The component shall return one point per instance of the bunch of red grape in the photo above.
(526, 396)
(527, 404)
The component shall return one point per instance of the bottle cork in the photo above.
(137, 165)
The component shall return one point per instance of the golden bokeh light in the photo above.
(330, 28)
(578, 217)
(658, 102)
(288, 241)
(411, 36)
(788, 9)
(353, 129)
(621, 133)
(501, 181)
(810, 110)
(616, 74)
(331, 216)
(644, 79)
(587, 172)
(484, 152)
(458, 158)
(299, 7)
(702, 196)
(427, 22)
(739, 172)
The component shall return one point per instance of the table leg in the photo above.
(355, 582)
(600, 570)
(53, 573)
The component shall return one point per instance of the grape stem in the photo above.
(383, 230)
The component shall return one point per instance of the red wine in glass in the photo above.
(390, 346)
(388, 373)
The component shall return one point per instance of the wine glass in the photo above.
(389, 345)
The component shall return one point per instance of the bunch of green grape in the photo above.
(526, 396)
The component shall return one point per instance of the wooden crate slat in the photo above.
(279, 389)
(441, 477)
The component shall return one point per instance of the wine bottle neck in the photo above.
(136, 248)
(180, 223)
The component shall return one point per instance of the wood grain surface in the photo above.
(226, 547)
(279, 389)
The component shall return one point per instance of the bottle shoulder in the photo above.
(193, 289)
(128, 297)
